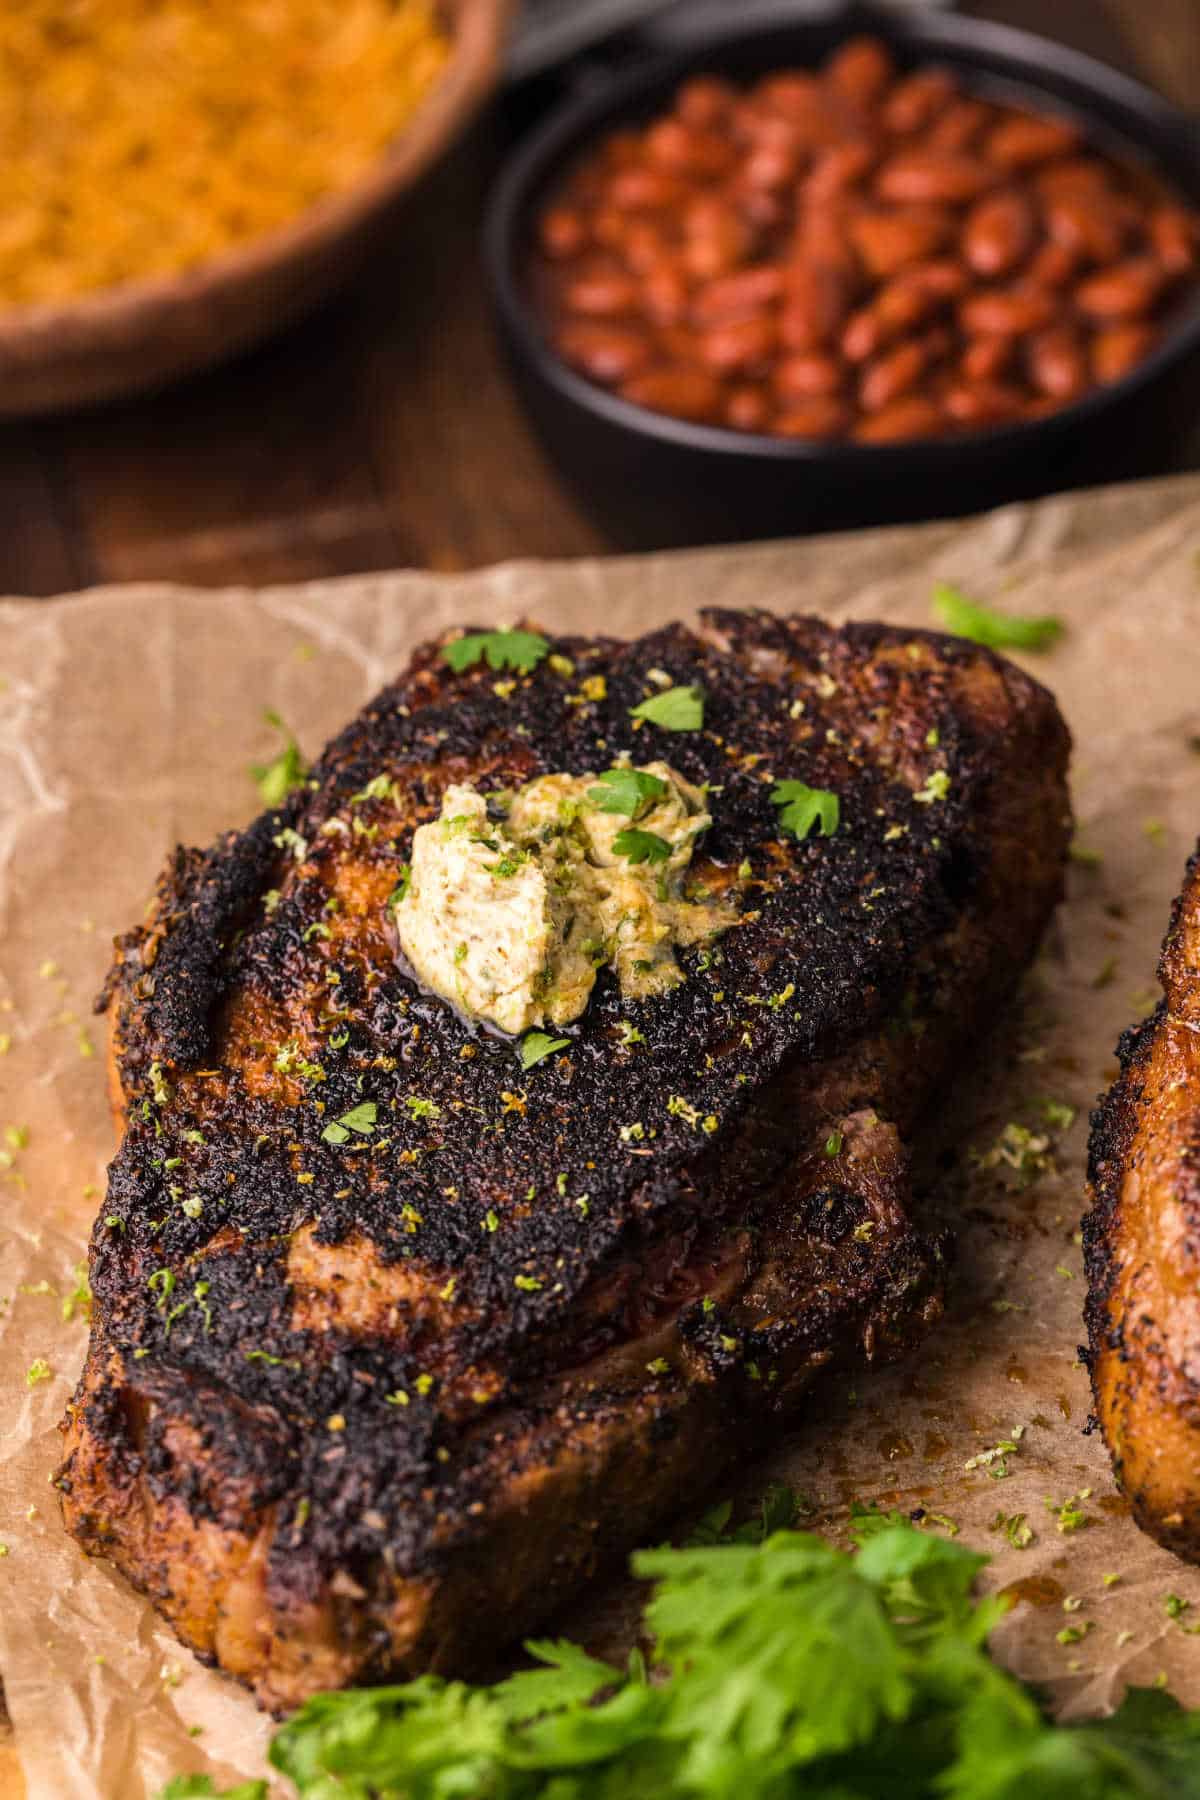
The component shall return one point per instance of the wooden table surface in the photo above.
(383, 431)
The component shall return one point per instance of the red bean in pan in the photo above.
(857, 253)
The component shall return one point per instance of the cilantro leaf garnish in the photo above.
(998, 631)
(536, 1046)
(625, 791)
(360, 1118)
(747, 1698)
(802, 807)
(641, 846)
(675, 709)
(520, 650)
(276, 779)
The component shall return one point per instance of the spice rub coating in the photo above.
(1142, 1248)
(395, 1341)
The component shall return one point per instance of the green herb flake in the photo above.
(936, 787)
(833, 1143)
(626, 791)
(360, 1119)
(519, 650)
(675, 709)
(997, 630)
(536, 1046)
(802, 807)
(641, 846)
(38, 1370)
(275, 780)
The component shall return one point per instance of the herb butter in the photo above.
(516, 901)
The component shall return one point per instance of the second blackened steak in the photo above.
(375, 1398)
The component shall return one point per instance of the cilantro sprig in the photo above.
(675, 709)
(536, 1046)
(801, 807)
(625, 791)
(778, 1669)
(997, 630)
(277, 778)
(360, 1119)
(641, 846)
(519, 650)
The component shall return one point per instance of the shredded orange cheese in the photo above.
(139, 137)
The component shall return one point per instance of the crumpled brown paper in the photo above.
(127, 720)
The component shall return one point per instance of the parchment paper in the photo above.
(127, 720)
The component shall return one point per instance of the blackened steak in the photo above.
(376, 1405)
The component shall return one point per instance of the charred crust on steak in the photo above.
(367, 1419)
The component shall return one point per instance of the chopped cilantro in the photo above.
(360, 1118)
(1058, 1114)
(675, 709)
(833, 1143)
(38, 1370)
(777, 1665)
(641, 846)
(537, 1045)
(983, 625)
(625, 791)
(277, 779)
(520, 650)
(419, 1108)
(802, 807)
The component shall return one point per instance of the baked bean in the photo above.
(986, 357)
(891, 376)
(739, 344)
(665, 294)
(853, 254)
(807, 374)
(562, 231)
(815, 303)
(747, 408)
(938, 176)
(1057, 362)
(1018, 143)
(641, 189)
(1085, 224)
(608, 353)
(1074, 175)
(940, 279)
(914, 102)
(1008, 311)
(960, 126)
(739, 295)
(602, 294)
(983, 403)
(684, 150)
(715, 238)
(896, 309)
(912, 417)
(861, 71)
(837, 169)
(1125, 291)
(887, 241)
(1052, 266)
(1118, 349)
(686, 393)
(1174, 237)
(705, 101)
(815, 418)
(999, 232)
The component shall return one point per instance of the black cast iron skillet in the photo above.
(653, 480)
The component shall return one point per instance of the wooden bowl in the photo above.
(141, 334)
